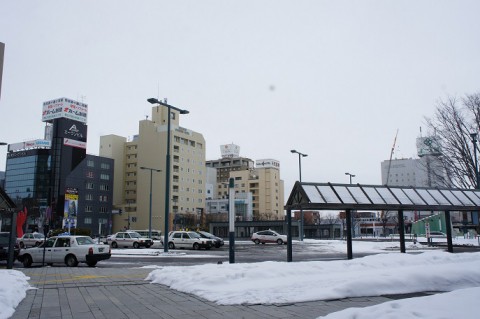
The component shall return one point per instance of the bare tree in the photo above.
(453, 122)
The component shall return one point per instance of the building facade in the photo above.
(147, 150)
(55, 180)
(261, 179)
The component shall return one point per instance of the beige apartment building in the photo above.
(262, 180)
(148, 150)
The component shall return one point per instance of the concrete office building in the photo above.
(148, 149)
(59, 184)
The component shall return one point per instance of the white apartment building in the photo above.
(132, 185)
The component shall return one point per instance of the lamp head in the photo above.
(293, 151)
(153, 100)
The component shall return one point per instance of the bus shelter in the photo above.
(352, 197)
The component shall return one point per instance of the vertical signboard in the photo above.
(70, 208)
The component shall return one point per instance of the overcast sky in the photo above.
(332, 79)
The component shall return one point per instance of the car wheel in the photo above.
(256, 241)
(279, 241)
(27, 261)
(136, 245)
(22, 245)
(91, 263)
(71, 261)
(196, 246)
(171, 245)
(114, 244)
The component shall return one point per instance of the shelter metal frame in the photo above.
(351, 197)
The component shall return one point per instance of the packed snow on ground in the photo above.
(457, 275)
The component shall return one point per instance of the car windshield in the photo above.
(84, 241)
(194, 235)
(39, 236)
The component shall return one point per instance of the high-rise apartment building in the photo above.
(148, 150)
(260, 178)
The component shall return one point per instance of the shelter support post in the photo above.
(401, 230)
(448, 225)
(289, 235)
(12, 241)
(349, 234)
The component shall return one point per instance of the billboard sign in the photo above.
(66, 108)
(230, 151)
(74, 143)
(29, 145)
(267, 163)
(70, 207)
(429, 145)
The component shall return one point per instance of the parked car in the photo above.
(217, 241)
(30, 240)
(5, 246)
(68, 249)
(129, 239)
(156, 234)
(188, 239)
(268, 236)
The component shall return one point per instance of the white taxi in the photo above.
(67, 249)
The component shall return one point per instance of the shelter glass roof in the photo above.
(355, 196)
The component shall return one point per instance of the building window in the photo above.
(89, 197)
(90, 174)
(103, 210)
(89, 186)
(105, 176)
(105, 166)
(103, 198)
(88, 209)
(103, 221)
(104, 187)
(90, 163)
(87, 221)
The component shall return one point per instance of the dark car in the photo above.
(4, 246)
(217, 241)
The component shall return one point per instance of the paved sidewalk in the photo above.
(84, 292)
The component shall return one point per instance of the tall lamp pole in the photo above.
(350, 175)
(167, 170)
(150, 208)
(300, 155)
(474, 141)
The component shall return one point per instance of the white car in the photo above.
(67, 249)
(268, 236)
(188, 239)
(30, 240)
(129, 239)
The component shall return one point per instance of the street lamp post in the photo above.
(300, 155)
(167, 170)
(150, 208)
(352, 212)
(474, 141)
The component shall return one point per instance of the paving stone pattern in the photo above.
(116, 293)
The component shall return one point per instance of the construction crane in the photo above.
(391, 154)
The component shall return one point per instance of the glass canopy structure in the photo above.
(349, 197)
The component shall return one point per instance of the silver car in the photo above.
(30, 240)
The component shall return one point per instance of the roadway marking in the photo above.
(81, 278)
